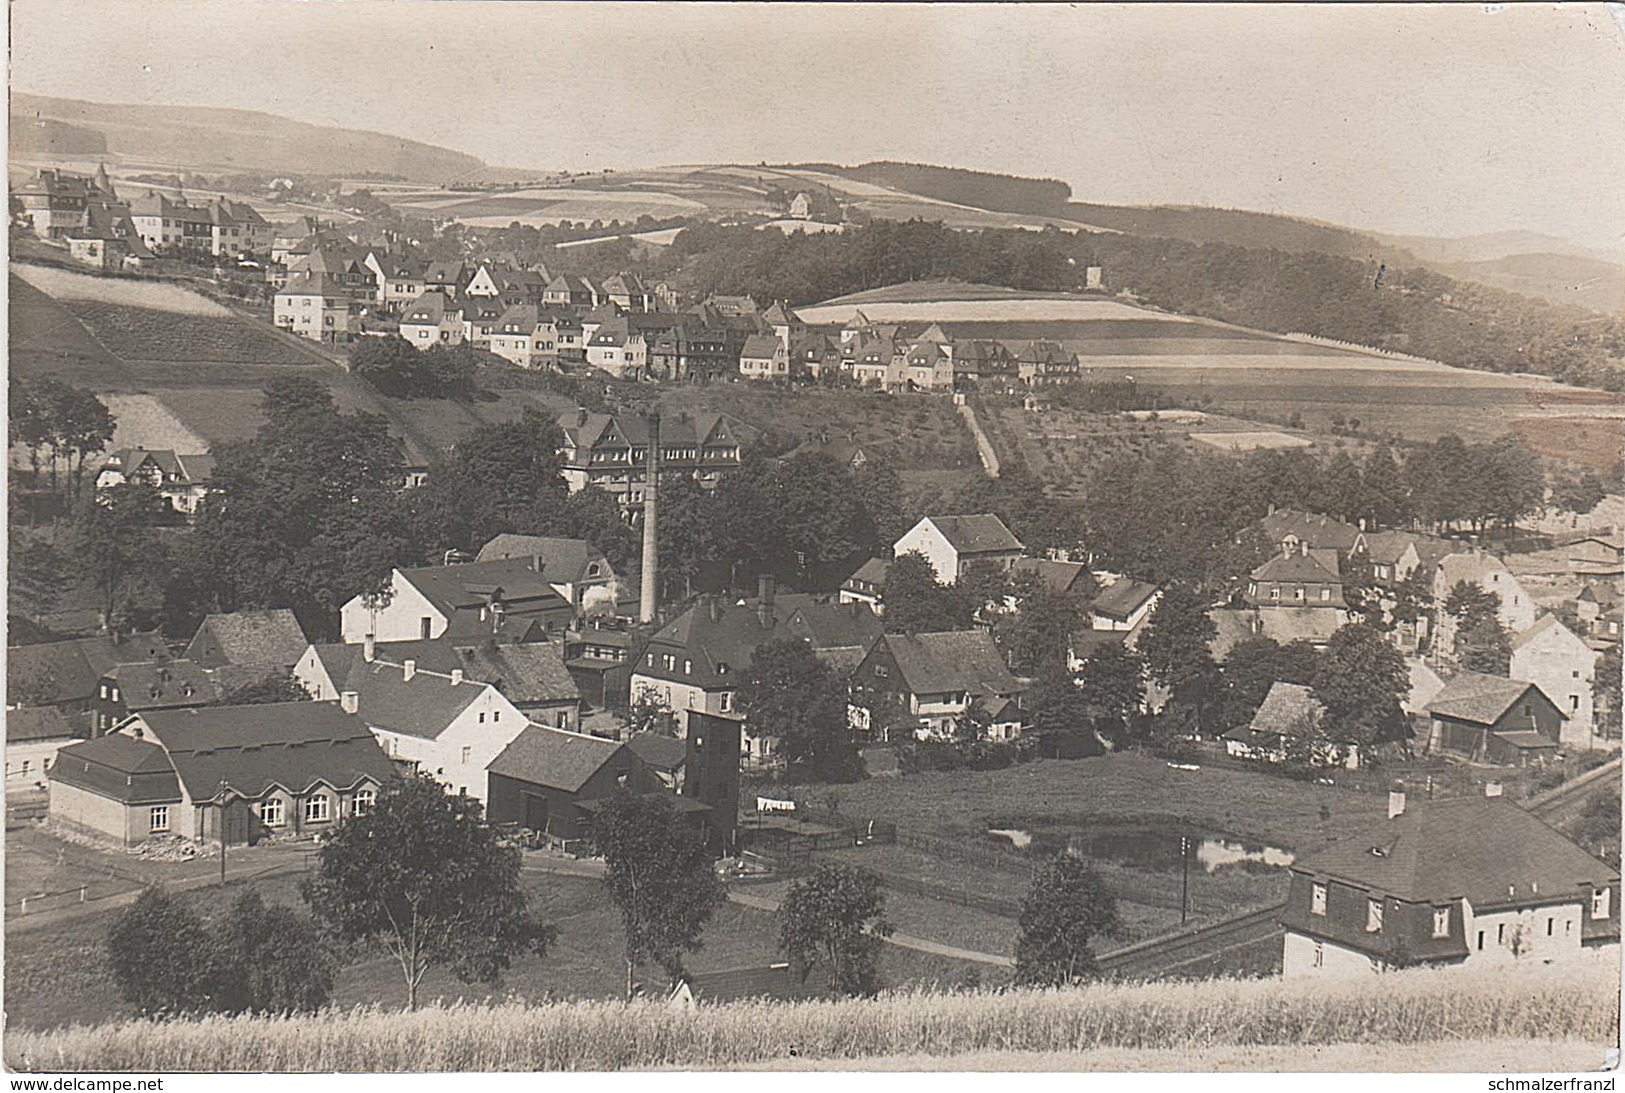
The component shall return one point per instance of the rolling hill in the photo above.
(207, 138)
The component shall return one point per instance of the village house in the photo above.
(764, 357)
(66, 675)
(1460, 882)
(628, 292)
(482, 317)
(933, 678)
(1598, 607)
(982, 362)
(236, 773)
(1044, 363)
(616, 348)
(1596, 552)
(1392, 555)
(1124, 605)
(867, 585)
(400, 281)
(814, 355)
(236, 229)
(1288, 713)
(445, 277)
(264, 641)
(446, 725)
(182, 480)
(316, 306)
(55, 202)
(1555, 659)
(1295, 597)
(141, 686)
(33, 737)
(169, 225)
(611, 451)
(1491, 719)
(1517, 612)
(472, 600)
(432, 320)
(569, 291)
(1297, 532)
(577, 570)
(925, 365)
(106, 240)
(952, 544)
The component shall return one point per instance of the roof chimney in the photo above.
(536, 562)
(1396, 800)
(349, 701)
(1492, 789)
(409, 668)
(456, 676)
(764, 599)
(369, 648)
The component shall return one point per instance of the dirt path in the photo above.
(902, 941)
(984, 446)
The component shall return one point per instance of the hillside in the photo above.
(1560, 278)
(206, 138)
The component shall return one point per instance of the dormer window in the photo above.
(1441, 922)
(1373, 916)
(1317, 899)
(1599, 903)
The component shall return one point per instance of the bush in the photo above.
(162, 956)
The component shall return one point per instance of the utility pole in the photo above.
(221, 796)
(649, 593)
(1185, 878)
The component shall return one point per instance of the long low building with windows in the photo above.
(249, 771)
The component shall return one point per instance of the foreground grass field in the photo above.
(1579, 1003)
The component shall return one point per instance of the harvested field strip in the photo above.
(1400, 1008)
(151, 295)
(999, 310)
(143, 334)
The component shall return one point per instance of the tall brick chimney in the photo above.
(648, 598)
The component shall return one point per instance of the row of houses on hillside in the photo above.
(1545, 704)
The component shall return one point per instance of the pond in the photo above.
(1159, 849)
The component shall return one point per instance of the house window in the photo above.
(1441, 922)
(425, 624)
(881, 671)
(482, 718)
(1275, 593)
(467, 754)
(316, 809)
(27, 765)
(1320, 954)
(496, 715)
(104, 690)
(1481, 941)
(688, 667)
(725, 702)
(365, 798)
(1551, 924)
(1317, 899)
(1325, 594)
(1373, 916)
(271, 812)
(1599, 903)
(158, 818)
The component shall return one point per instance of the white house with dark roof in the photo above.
(1488, 572)
(183, 480)
(1289, 712)
(935, 677)
(447, 725)
(1297, 532)
(267, 641)
(576, 569)
(1555, 659)
(867, 585)
(432, 319)
(471, 600)
(1459, 882)
(954, 543)
(33, 737)
(1124, 605)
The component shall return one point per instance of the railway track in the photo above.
(1566, 802)
(1173, 954)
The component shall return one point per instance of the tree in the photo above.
(1578, 492)
(1482, 642)
(1175, 647)
(275, 686)
(422, 875)
(1067, 908)
(272, 959)
(500, 478)
(1112, 680)
(650, 713)
(37, 574)
(659, 877)
(1039, 629)
(792, 696)
(835, 919)
(916, 603)
(112, 541)
(1256, 665)
(162, 958)
(1361, 680)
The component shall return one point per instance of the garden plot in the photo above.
(149, 295)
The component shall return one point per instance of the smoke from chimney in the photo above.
(648, 598)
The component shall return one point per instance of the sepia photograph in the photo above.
(858, 537)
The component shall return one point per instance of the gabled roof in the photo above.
(1286, 624)
(1316, 530)
(951, 660)
(827, 625)
(1289, 568)
(161, 683)
(1479, 699)
(555, 758)
(1287, 710)
(760, 346)
(423, 706)
(781, 315)
(1061, 578)
(1606, 593)
(269, 640)
(1549, 625)
(1474, 567)
(68, 671)
(564, 560)
(471, 584)
(1486, 850)
(444, 273)
(718, 646)
(1123, 598)
(45, 723)
(981, 533)
(874, 572)
(294, 745)
(525, 674)
(1387, 547)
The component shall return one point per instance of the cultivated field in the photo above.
(1047, 310)
(149, 295)
(1523, 1003)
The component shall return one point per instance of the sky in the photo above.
(1411, 119)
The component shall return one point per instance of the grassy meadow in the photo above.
(1535, 1003)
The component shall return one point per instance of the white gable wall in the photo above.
(924, 538)
(1563, 667)
(457, 758)
(400, 619)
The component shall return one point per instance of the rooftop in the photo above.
(1480, 699)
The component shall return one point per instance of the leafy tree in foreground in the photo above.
(272, 959)
(660, 878)
(1066, 910)
(422, 875)
(1112, 680)
(1482, 642)
(278, 686)
(835, 919)
(161, 956)
(796, 698)
(1360, 682)
(916, 603)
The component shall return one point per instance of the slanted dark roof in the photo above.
(760, 347)
(525, 674)
(1387, 547)
(157, 684)
(1288, 710)
(423, 706)
(268, 640)
(450, 587)
(563, 560)
(828, 625)
(981, 533)
(1478, 699)
(60, 672)
(1123, 598)
(659, 752)
(1295, 567)
(37, 723)
(872, 572)
(1061, 578)
(1315, 530)
(951, 660)
(294, 745)
(741, 984)
(1487, 850)
(131, 771)
(553, 757)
